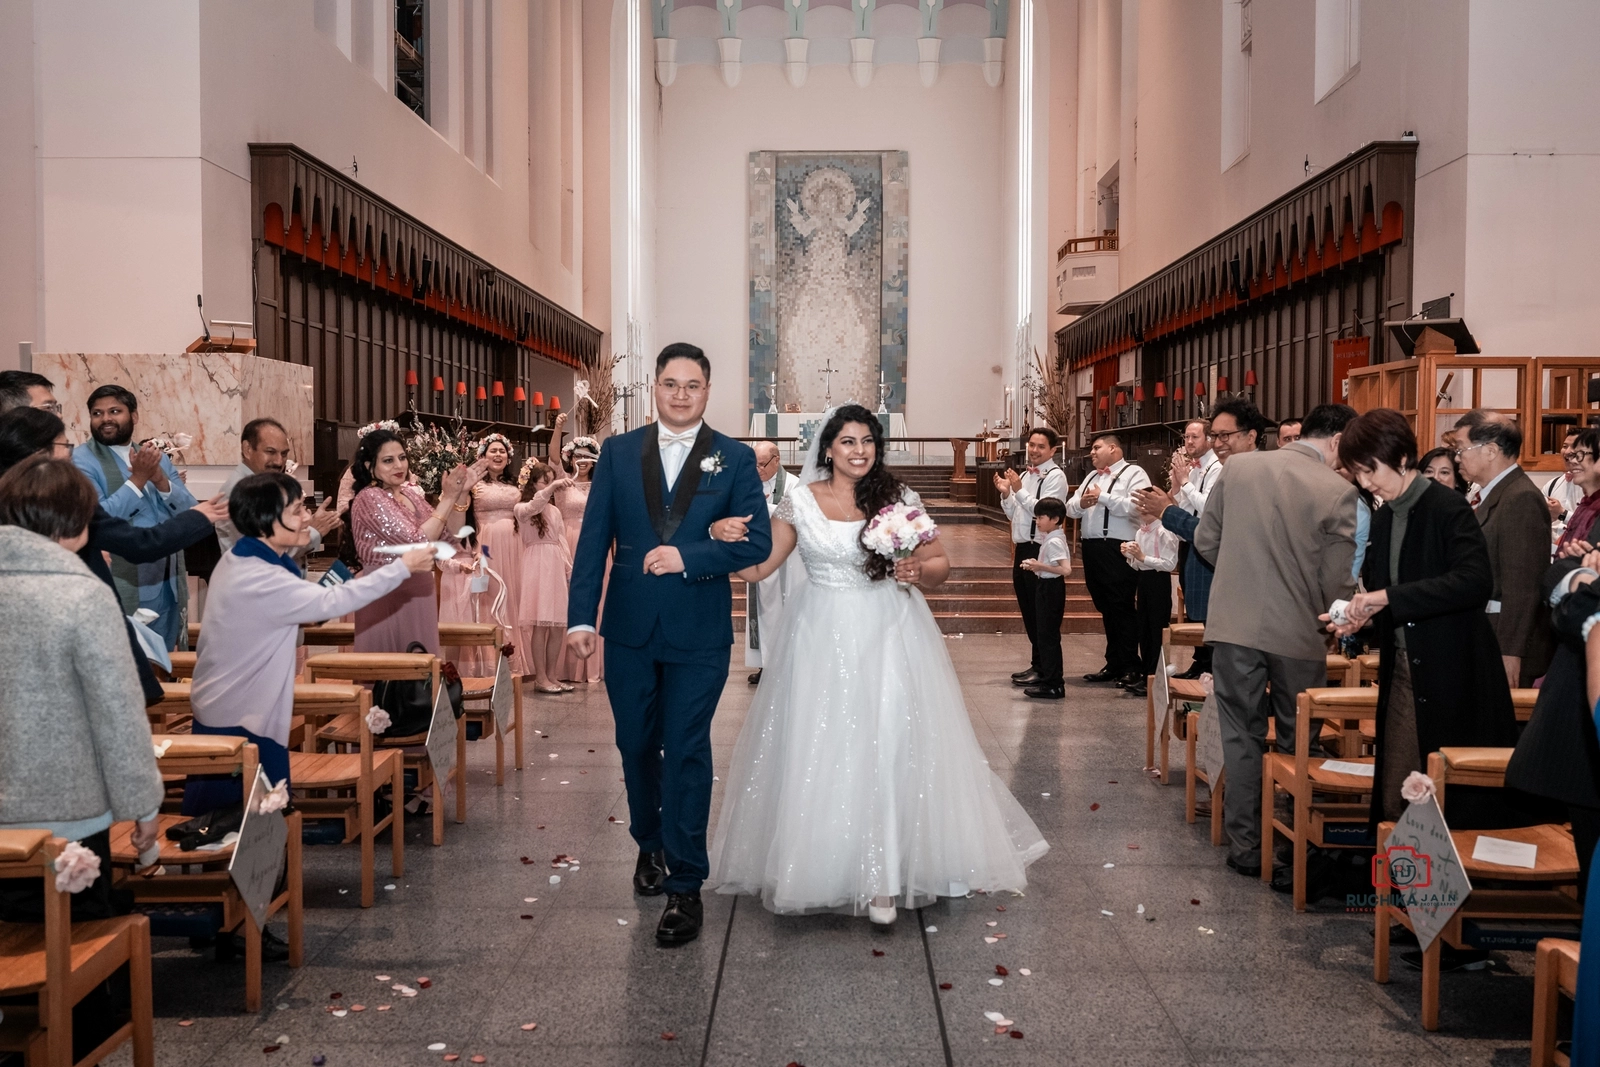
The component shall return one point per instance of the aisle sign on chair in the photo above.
(1420, 870)
(1208, 746)
(1161, 692)
(442, 737)
(502, 701)
(258, 855)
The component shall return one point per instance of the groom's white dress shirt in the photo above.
(675, 449)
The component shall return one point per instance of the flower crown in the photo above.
(527, 471)
(381, 424)
(586, 444)
(483, 445)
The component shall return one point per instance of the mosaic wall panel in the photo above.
(828, 239)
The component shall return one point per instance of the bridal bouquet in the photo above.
(897, 530)
(432, 452)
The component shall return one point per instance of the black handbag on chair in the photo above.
(410, 702)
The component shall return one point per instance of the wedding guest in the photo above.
(546, 570)
(1153, 553)
(1105, 503)
(1443, 467)
(763, 602)
(1516, 529)
(389, 509)
(29, 431)
(1561, 492)
(1581, 533)
(491, 514)
(578, 458)
(1279, 528)
(138, 483)
(264, 448)
(1290, 430)
(1195, 468)
(1428, 578)
(244, 674)
(25, 389)
(1019, 492)
(1052, 567)
(75, 749)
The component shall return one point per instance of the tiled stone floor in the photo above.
(1268, 986)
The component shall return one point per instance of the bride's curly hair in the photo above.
(877, 489)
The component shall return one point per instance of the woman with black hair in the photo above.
(857, 784)
(1441, 466)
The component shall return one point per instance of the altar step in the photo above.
(980, 600)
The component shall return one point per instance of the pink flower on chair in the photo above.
(378, 720)
(1207, 683)
(1417, 787)
(76, 869)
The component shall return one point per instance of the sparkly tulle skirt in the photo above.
(857, 773)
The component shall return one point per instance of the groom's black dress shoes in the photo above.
(1104, 674)
(1045, 692)
(680, 923)
(1027, 677)
(649, 873)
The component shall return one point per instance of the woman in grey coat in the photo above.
(75, 750)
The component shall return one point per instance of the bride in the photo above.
(857, 783)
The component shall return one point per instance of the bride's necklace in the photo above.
(834, 494)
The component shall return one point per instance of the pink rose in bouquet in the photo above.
(898, 530)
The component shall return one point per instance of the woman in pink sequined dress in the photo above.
(388, 510)
(578, 457)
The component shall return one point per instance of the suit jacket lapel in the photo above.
(688, 482)
(650, 470)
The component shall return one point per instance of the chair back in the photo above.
(183, 664)
(330, 633)
(470, 635)
(374, 667)
(174, 710)
(32, 854)
(1467, 766)
(1343, 671)
(1522, 702)
(1343, 706)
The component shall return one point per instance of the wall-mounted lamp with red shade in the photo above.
(538, 399)
(482, 395)
(1105, 402)
(519, 395)
(1161, 390)
(411, 378)
(1138, 394)
(1122, 399)
(1199, 388)
(461, 389)
(1249, 379)
(438, 384)
(498, 390)
(555, 402)
(1177, 393)
(1222, 384)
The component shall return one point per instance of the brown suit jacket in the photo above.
(1516, 523)
(1280, 529)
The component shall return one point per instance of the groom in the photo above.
(668, 619)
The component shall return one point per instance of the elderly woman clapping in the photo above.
(244, 673)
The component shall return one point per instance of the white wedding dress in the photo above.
(857, 774)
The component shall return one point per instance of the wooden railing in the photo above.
(1105, 242)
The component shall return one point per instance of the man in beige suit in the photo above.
(1280, 530)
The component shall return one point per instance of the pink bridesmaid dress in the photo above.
(493, 504)
(410, 613)
(546, 567)
(458, 603)
(571, 503)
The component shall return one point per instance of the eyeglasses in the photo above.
(1226, 434)
(52, 406)
(688, 388)
(1458, 452)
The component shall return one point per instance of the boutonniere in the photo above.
(712, 464)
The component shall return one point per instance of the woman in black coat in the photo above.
(1428, 579)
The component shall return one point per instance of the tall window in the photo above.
(1338, 44)
(409, 55)
(1236, 46)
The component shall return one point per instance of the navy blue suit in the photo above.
(667, 636)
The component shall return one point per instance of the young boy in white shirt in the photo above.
(1153, 554)
(1054, 565)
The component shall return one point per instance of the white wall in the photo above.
(959, 322)
(18, 189)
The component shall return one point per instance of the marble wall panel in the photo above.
(209, 396)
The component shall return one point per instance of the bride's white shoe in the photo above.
(881, 911)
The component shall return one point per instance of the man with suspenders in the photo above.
(1105, 504)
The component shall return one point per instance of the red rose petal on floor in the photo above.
(1194, 900)
(424, 983)
(335, 996)
(536, 828)
(999, 907)
(1112, 782)
(1001, 1029)
(1094, 807)
(526, 859)
(530, 1026)
(945, 985)
(1133, 846)
(358, 1007)
(877, 952)
(271, 1048)
(611, 818)
(527, 916)
(1001, 971)
(591, 750)
(451, 1057)
(1017, 1034)
(384, 1007)
(480, 1059)
(668, 1035)
(1002, 937)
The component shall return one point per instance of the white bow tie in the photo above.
(685, 438)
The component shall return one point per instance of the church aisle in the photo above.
(1267, 986)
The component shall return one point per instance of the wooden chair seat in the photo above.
(183, 664)
(322, 693)
(123, 852)
(334, 770)
(1187, 689)
(370, 666)
(477, 686)
(477, 692)
(1478, 759)
(1557, 859)
(1342, 671)
(330, 633)
(1367, 668)
(344, 730)
(1555, 974)
(469, 634)
(1522, 702)
(18, 845)
(1326, 781)
(22, 947)
(1189, 634)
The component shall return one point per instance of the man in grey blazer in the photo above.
(1280, 530)
(1516, 523)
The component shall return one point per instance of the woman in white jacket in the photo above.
(244, 673)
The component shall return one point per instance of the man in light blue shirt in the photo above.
(140, 485)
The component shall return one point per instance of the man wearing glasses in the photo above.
(1562, 493)
(24, 389)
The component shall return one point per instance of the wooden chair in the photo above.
(1550, 896)
(362, 667)
(476, 692)
(174, 713)
(1311, 785)
(1522, 702)
(60, 961)
(1189, 634)
(1367, 668)
(202, 877)
(182, 665)
(1343, 672)
(340, 634)
(1555, 974)
(345, 784)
